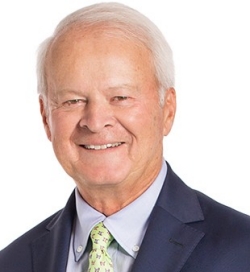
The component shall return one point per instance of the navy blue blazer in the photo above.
(188, 232)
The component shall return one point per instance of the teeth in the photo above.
(98, 147)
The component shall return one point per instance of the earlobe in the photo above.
(169, 110)
(44, 115)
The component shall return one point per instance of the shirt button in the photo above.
(79, 249)
(135, 248)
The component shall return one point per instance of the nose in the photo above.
(97, 116)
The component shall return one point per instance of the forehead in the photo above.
(96, 47)
(108, 29)
(77, 37)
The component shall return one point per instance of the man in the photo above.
(107, 99)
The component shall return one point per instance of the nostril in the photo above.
(96, 123)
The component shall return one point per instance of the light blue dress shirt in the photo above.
(128, 227)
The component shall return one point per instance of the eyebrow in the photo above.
(123, 86)
(129, 87)
(61, 92)
(110, 88)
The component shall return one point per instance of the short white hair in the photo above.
(130, 23)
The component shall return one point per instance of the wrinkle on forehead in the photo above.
(76, 32)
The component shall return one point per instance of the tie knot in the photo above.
(101, 237)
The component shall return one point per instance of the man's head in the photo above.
(100, 99)
(126, 22)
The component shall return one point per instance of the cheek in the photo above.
(62, 125)
(133, 120)
(62, 129)
(144, 123)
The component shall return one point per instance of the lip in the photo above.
(102, 146)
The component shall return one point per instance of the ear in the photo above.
(44, 114)
(169, 110)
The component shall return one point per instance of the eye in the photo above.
(120, 98)
(73, 102)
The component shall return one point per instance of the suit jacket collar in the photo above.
(179, 200)
(50, 250)
(169, 240)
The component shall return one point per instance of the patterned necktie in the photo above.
(99, 259)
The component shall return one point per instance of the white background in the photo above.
(209, 145)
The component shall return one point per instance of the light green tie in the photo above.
(99, 259)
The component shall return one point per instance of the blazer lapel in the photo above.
(169, 240)
(50, 251)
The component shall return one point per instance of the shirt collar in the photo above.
(128, 226)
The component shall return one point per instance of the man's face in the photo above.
(103, 117)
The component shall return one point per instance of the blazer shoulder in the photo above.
(221, 215)
(18, 256)
(12, 256)
(225, 245)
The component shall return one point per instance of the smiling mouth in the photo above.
(101, 147)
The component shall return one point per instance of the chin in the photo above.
(112, 171)
(103, 176)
